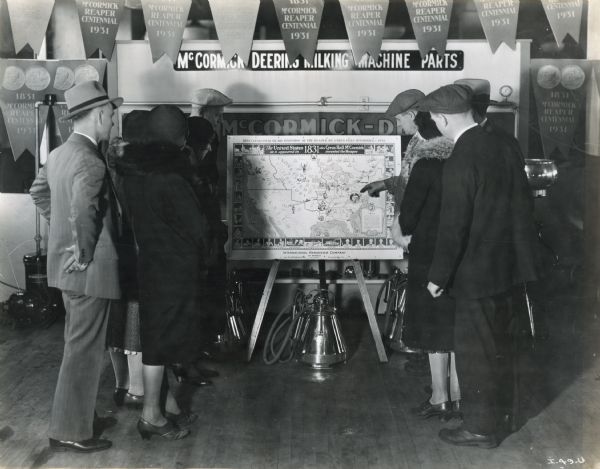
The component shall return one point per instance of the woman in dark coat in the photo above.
(429, 322)
(171, 233)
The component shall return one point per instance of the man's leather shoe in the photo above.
(85, 446)
(462, 437)
(427, 409)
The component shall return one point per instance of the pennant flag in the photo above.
(430, 24)
(499, 21)
(235, 22)
(165, 21)
(63, 128)
(299, 26)
(29, 22)
(25, 82)
(43, 113)
(560, 92)
(564, 17)
(99, 23)
(365, 23)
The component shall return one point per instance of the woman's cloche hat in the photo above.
(87, 95)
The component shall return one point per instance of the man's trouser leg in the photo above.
(79, 376)
(483, 352)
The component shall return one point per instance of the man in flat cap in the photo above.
(404, 109)
(207, 112)
(525, 238)
(71, 192)
(475, 261)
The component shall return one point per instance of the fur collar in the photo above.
(153, 158)
(439, 148)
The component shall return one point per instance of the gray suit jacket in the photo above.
(71, 191)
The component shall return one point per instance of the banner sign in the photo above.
(299, 26)
(165, 21)
(298, 197)
(499, 21)
(99, 21)
(430, 20)
(194, 60)
(560, 92)
(308, 123)
(24, 82)
(365, 23)
(235, 23)
(29, 22)
(564, 17)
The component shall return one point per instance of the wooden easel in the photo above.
(362, 285)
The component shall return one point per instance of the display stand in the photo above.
(362, 285)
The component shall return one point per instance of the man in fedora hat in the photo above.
(475, 260)
(71, 192)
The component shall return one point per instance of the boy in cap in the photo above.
(70, 191)
(475, 260)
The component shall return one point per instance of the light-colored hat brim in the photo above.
(222, 103)
(114, 101)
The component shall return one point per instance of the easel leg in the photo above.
(262, 307)
(362, 285)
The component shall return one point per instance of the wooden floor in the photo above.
(289, 416)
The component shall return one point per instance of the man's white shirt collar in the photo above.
(88, 137)
(474, 124)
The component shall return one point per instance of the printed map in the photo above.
(299, 197)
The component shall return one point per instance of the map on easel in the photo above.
(298, 197)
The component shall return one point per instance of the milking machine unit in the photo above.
(310, 333)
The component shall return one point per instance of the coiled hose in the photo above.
(280, 348)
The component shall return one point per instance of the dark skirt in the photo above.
(123, 331)
(170, 318)
(428, 321)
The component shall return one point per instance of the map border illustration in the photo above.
(244, 151)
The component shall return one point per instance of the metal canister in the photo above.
(36, 278)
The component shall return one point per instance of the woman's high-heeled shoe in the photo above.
(426, 409)
(183, 419)
(168, 431)
(133, 400)
(119, 396)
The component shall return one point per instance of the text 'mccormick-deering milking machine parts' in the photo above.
(309, 330)
(37, 305)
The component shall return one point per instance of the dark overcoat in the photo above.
(429, 322)
(171, 232)
(528, 250)
(484, 214)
